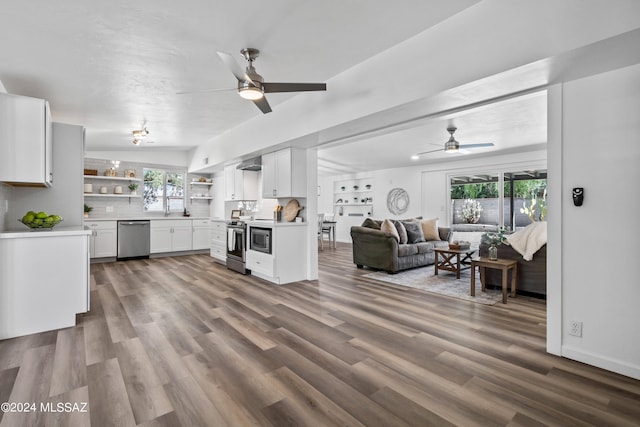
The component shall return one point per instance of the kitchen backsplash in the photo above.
(134, 207)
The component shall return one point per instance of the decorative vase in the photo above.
(493, 252)
(86, 214)
(134, 192)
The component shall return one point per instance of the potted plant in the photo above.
(133, 187)
(87, 209)
(495, 239)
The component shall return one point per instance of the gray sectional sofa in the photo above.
(379, 250)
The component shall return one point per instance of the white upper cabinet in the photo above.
(284, 174)
(25, 141)
(240, 184)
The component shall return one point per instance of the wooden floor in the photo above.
(185, 342)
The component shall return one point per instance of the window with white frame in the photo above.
(164, 190)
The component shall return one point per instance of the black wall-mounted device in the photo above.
(578, 196)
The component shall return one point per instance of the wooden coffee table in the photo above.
(500, 264)
(453, 260)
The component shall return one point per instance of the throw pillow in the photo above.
(402, 232)
(430, 229)
(371, 224)
(388, 227)
(414, 231)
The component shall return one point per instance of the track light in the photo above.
(140, 133)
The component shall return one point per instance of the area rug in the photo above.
(444, 283)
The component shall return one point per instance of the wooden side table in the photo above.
(499, 264)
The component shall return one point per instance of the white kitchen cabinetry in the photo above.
(44, 280)
(286, 263)
(104, 239)
(219, 240)
(201, 234)
(240, 184)
(170, 236)
(25, 141)
(284, 174)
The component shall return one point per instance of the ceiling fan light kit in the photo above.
(251, 85)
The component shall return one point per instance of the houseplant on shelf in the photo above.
(132, 188)
(87, 209)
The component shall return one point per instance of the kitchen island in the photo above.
(286, 260)
(44, 279)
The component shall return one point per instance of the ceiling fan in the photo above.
(453, 146)
(252, 86)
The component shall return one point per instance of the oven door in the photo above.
(236, 242)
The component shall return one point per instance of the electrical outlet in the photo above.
(575, 329)
(109, 208)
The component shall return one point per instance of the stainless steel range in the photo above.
(237, 246)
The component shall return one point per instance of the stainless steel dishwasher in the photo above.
(133, 239)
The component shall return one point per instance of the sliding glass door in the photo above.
(500, 199)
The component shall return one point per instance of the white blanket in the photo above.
(528, 240)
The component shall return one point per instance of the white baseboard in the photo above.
(600, 361)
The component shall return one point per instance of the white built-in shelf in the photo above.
(201, 183)
(201, 198)
(112, 178)
(110, 195)
(348, 191)
(353, 204)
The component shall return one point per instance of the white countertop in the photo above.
(140, 218)
(54, 232)
(270, 224)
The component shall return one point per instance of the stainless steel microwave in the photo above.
(260, 239)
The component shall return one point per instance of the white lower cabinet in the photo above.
(287, 262)
(171, 236)
(201, 233)
(219, 240)
(44, 280)
(104, 239)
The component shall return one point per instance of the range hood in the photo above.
(254, 164)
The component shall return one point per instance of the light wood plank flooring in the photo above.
(185, 342)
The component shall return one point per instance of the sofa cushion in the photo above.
(402, 232)
(407, 250)
(388, 227)
(430, 229)
(370, 223)
(424, 247)
(414, 231)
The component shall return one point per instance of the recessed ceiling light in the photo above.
(415, 157)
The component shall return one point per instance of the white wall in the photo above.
(144, 155)
(600, 285)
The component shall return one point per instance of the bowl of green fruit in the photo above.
(40, 220)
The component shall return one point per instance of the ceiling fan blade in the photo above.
(486, 144)
(235, 68)
(293, 87)
(431, 151)
(262, 104)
